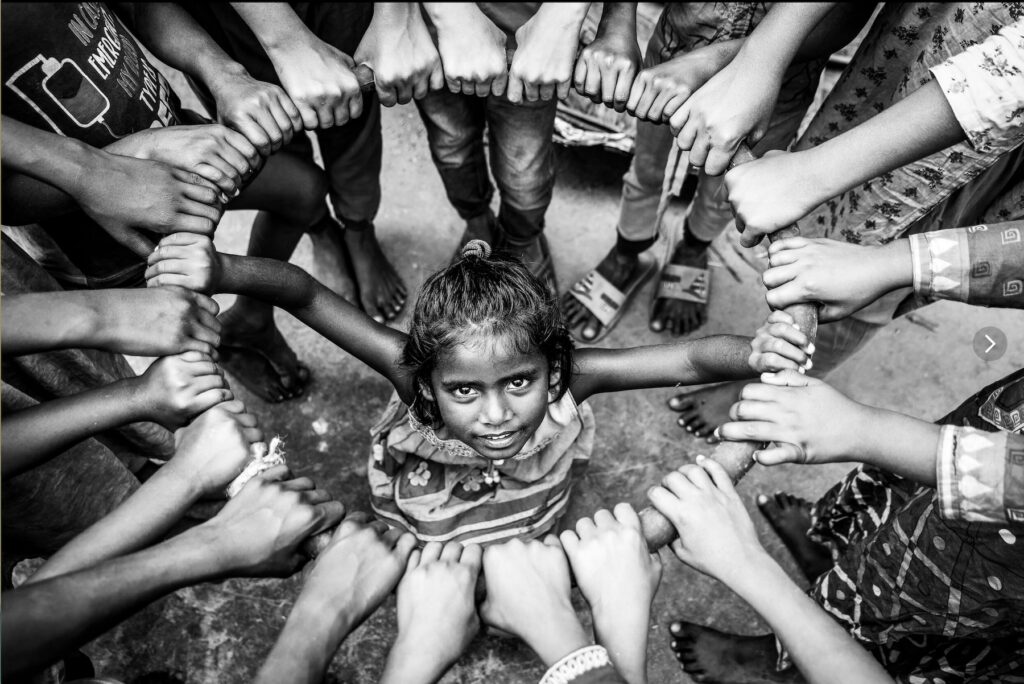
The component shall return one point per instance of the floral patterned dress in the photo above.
(442, 490)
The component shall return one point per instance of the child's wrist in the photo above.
(896, 265)
(746, 575)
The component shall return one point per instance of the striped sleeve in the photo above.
(981, 265)
(980, 475)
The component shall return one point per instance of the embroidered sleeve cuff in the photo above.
(976, 83)
(980, 475)
(588, 665)
(941, 262)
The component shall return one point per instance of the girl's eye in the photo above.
(519, 383)
(463, 391)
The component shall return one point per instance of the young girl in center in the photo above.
(488, 422)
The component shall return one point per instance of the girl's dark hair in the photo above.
(484, 293)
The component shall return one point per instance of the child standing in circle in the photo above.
(487, 424)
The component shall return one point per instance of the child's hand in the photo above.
(606, 68)
(404, 60)
(716, 535)
(471, 47)
(260, 111)
(542, 66)
(528, 595)
(608, 554)
(660, 90)
(320, 80)
(258, 532)
(436, 611)
(844, 278)
(215, 448)
(214, 152)
(157, 322)
(774, 192)
(175, 389)
(810, 421)
(734, 106)
(360, 566)
(185, 260)
(779, 345)
(618, 576)
(125, 195)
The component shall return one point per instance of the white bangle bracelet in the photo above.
(576, 663)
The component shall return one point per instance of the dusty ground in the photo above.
(219, 633)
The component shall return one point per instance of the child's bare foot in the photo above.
(790, 517)
(708, 655)
(701, 411)
(680, 316)
(257, 356)
(381, 291)
(330, 259)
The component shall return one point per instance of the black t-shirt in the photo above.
(75, 69)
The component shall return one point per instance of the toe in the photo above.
(680, 402)
(591, 329)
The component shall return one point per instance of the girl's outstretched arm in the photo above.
(777, 345)
(191, 261)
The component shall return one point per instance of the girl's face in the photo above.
(491, 397)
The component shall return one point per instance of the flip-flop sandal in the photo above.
(227, 350)
(687, 283)
(605, 301)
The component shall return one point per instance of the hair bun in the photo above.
(477, 248)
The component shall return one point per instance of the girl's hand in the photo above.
(258, 532)
(528, 595)
(405, 62)
(175, 389)
(611, 563)
(775, 191)
(810, 421)
(157, 322)
(260, 111)
(215, 448)
(184, 260)
(659, 90)
(606, 68)
(213, 152)
(844, 278)
(619, 577)
(779, 345)
(360, 565)
(734, 106)
(436, 611)
(542, 66)
(716, 535)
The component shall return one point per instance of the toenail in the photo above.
(762, 499)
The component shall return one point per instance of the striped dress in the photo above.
(442, 490)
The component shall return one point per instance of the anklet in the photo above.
(576, 663)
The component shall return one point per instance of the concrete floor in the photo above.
(221, 632)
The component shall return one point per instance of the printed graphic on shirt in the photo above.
(76, 69)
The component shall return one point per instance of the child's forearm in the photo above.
(897, 443)
(43, 619)
(275, 25)
(177, 39)
(618, 17)
(821, 649)
(53, 159)
(142, 518)
(291, 288)
(307, 643)
(36, 434)
(44, 321)
(718, 357)
(778, 38)
(913, 128)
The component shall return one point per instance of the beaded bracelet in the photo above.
(576, 663)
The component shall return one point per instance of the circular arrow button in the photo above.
(990, 344)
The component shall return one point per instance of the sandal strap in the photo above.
(599, 296)
(687, 283)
